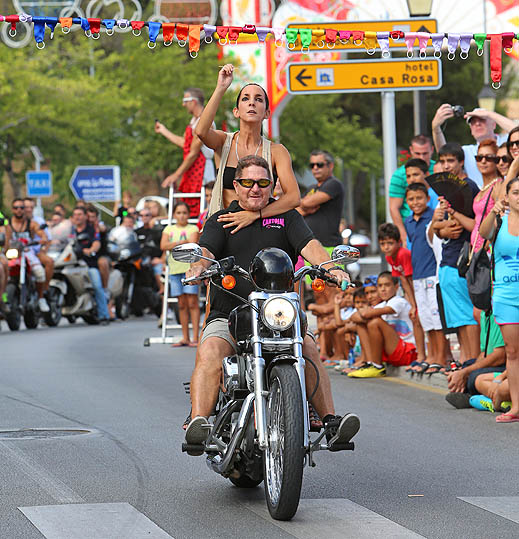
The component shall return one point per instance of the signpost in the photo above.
(405, 25)
(364, 76)
(96, 183)
(38, 183)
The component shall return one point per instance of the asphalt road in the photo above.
(127, 478)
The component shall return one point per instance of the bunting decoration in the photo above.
(295, 39)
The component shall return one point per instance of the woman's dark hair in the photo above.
(181, 203)
(514, 130)
(259, 86)
(509, 184)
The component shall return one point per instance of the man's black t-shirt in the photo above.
(149, 238)
(85, 238)
(451, 248)
(324, 223)
(286, 231)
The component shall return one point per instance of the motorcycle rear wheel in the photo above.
(31, 318)
(53, 317)
(14, 318)
(283, 459)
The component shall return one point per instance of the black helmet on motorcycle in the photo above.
(272, 269)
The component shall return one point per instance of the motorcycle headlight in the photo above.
(278, 313)
(11, 254)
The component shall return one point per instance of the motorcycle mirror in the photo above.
(345, 254)
(188, 252)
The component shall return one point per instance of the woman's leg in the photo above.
(511, 337)
(194, 312)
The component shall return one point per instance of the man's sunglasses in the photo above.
(248, 183)
(504, 158)
(188, 99)
(513, 143)
(18, 207)
(318, 165)
(489, 158)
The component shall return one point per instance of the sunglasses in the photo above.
(18, 207)
(249, 183)
(489, 158)
(188, 99)
(504, 158)
(513, 143)
(318, 165)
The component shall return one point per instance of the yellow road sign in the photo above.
(406, 25)
(364, 76)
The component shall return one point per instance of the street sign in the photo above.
(38, 183)
(96, 183)
(364, 76)
(405, 25)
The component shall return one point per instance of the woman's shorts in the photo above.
(456, 301)
(505, 314)
(176, 288)
(425, 294)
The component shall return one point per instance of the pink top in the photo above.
(478, 207)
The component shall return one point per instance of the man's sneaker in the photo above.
(4, 308)
(340, 430)
(196, 433)
(43, 305)
(369, 371)
(458, 400)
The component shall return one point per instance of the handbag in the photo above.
(467, 252)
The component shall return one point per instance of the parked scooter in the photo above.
(21, 287)
(138, 290)
(70, 285)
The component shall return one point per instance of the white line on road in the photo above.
(335, 519)
(51, 485)
(504, 506)
(93, 521)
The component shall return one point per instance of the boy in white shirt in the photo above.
(388, 329)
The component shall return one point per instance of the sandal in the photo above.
(507, 418)
(423, 366)
(410, 369)
(434, 368)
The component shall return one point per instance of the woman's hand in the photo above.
(225, 76)
(499, 207)
(239, 219)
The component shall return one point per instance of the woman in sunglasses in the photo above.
(503, 164)
(512, 145)
(486, 161)
(252, 107)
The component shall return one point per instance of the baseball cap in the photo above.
(475, 113)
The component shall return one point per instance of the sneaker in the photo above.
(4, 308)
(505, 406)
(370, 371)
(196, 433)
(480, 402)
(458, 400)
(340, 430)
(43, 305)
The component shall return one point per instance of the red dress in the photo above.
(193, 177)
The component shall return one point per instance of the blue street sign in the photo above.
(96, 183)
(38, 183)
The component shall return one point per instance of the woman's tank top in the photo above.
(479, 207)
(506, 254)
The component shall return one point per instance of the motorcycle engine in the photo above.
(234, 376)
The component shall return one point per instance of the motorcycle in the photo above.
(138, 289)
(261, 429)
(21, 288)
(70, 286)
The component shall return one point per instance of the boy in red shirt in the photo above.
(399, 260)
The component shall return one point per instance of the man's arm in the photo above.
(407, 286)
(315, 253)
(35, 229)
(194, 150)
(502, 121)
(395, 203)
(457, 380)
(198, 267)
(313, 201)
(443, 113)
(165, 132)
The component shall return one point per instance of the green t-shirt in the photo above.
(496, 338)
(398, 185)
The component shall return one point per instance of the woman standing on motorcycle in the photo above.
(172, 236)
(252, 107)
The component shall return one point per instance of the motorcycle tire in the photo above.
(31, 318)
(245, 482)
(14, 318)
(71, 319)
(53, 317)
(283, 460)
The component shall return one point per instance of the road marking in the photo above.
(93, 521)
(432, 389)
(335, 518)
(51, 485)
(504, 506)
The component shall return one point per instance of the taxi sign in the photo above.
(38, 183)
(364, 76)
(405, 25)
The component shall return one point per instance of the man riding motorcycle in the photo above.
(287, 231)
(4, 269)
(21, 228)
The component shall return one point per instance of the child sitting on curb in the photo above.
(385, 331)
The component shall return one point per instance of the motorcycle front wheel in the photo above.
(283, 459)
(14, 318)
(53, 317)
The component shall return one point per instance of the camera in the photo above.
(458, 111)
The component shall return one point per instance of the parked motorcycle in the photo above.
(21, 287)
(261, 430)
(138, 290)
(70, 286)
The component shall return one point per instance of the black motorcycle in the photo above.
(139, 290)
(261, 429)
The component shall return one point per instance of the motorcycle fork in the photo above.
(22, 283)
(131, 286)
